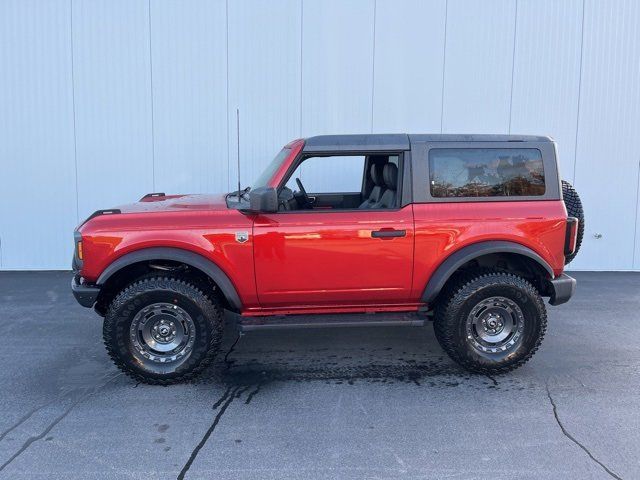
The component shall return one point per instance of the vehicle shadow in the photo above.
(335, 355)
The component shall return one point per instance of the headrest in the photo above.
(390, 175)
(376, 174)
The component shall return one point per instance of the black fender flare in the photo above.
(462, 256)
(192, 259)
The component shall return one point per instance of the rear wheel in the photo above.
(163, 330)
(490, 322)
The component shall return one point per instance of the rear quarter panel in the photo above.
(443, 228)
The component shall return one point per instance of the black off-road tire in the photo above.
(206, 318)
(472, 290)
(574, 209)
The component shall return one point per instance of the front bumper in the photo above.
(564, 287)
(86, 295)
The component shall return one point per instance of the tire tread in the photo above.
(446, 310)
(209, 304)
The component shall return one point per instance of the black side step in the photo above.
(246, 324)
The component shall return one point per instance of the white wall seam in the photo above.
(301, 49)
(73, 110)
(444, 63)
(226, 15)
(575, 149)
(513, 60)
(635, 231)
(153, 138)
(373, 63)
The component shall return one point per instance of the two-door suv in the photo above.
(470, 231)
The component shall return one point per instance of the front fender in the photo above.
(177, 255)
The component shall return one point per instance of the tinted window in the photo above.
(486, 172)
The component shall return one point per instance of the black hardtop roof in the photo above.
(402, 141)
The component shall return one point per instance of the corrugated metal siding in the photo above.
(478, 66)
(546, 74)
(189, 111)
(408, 66)
(103, 101)
(264, 82)
(112, 93)
(608, 132)
(37, 163)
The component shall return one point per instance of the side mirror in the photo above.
(263, 200)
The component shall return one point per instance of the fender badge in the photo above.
(242, 237)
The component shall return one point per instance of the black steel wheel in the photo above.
(490, 322)
(162, 330)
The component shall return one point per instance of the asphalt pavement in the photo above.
(378, 403)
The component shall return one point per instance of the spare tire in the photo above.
(574, 209)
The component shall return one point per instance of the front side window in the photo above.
(486, 172)
(330, 174)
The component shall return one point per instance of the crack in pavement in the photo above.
(226, 361)
(230, 394)
(24, 418)
(573, 439)
(88, 392)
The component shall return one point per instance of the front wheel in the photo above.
(162, 330)
(490, 322)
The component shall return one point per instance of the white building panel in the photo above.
(189, 86)
(546, 75)
(337, 66)
(408, 66)
(478, 66)
(264, 82)
(608, 147)
(112, 84)
(103, 101)
(37, 165)
(337, 72)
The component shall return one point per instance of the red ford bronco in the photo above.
(470, 231)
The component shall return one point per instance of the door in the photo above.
(351, 257)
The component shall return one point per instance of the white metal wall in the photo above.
(102, 101)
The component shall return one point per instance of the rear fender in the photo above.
(470, 252)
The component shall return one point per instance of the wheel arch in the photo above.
(179, 256)
(483, 250)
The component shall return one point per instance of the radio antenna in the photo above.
(238, 138)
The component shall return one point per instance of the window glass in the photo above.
(486, 172)
(332, 174)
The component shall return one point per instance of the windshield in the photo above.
(267, 173)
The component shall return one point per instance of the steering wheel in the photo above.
(303, 197)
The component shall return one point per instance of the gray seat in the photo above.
(390, 177)
(376, 175)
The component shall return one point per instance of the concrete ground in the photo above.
(338, 403)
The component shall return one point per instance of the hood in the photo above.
(174, 203)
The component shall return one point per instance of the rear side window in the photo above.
(486, 172)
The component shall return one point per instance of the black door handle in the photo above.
(388, 233)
